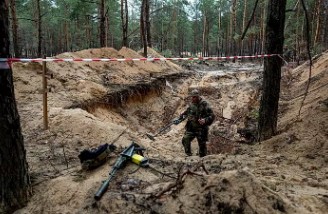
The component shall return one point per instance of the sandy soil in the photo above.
(115, 102)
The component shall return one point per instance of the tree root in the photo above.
(182, 174)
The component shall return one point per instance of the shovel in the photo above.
(152, 137)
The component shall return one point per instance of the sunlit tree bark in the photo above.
(268, 114)
(14, 180)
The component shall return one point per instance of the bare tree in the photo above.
(272, 69)
(14, 180)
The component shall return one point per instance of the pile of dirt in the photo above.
(285, 174)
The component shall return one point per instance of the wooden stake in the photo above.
(45, 95)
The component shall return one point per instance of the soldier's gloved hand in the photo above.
(176, 121)
(202, 121)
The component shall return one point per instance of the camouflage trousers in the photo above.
(202, 137)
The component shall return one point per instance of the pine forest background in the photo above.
(172, 27)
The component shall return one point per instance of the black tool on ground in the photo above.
(163, 129)
(132, 153)
(92, 158)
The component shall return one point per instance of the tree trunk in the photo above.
(234, 25)
(263, 28)
(227, 41)
(60, 41)
(125, 21)
(65, 30)
(88, 29)
(317, 28)
(242, 51)
(219, 38)
(268, 114)
(162, 28)
(14, 180)
(324, 25)
(107, 30)
(143, 27)
(147, 20)
(39, 22)
(297, 36)
(50, 38)
(102, 27)
(229, 34)
(207, 39)
(204, 35)
(14, 28)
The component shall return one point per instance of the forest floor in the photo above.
(92, 103)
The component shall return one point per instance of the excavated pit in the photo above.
(148, 105)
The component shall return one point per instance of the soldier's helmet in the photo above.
(194, 93)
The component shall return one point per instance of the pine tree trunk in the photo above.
(14, 180)
(268, 114)
(147, 21)
(263, 28)
(317, 29)
(143, 27)
(14, 28)
(88, 29)
(106, 30)
(234, 25)
(324, 25)
(229, 34)
(204, 35)
(219, 39)
(162, 29)
(39, 24)
(244, 25)
(102, 28)
(65, 30)
(124, 19)
(207, 39)
(297, 36)
(227, 41)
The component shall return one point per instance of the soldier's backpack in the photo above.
(91, 159)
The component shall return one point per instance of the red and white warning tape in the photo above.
(10, 60)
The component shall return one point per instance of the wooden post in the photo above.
(45, 94)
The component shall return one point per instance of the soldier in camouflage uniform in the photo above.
(200, 116)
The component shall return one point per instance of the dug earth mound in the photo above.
(92, 103)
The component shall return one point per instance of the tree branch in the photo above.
(91, 2)
(33, 20)
(250, 20)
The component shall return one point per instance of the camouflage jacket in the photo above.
(198, 111)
